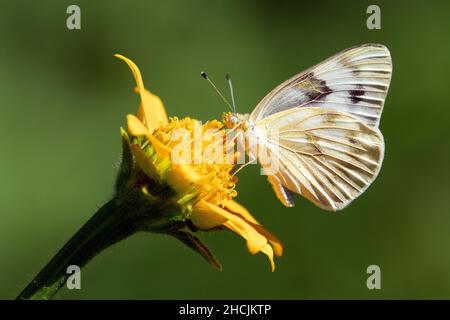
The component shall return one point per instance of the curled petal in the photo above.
(236, 208)
(151, 111)
(255, 241)
(274, 241)
(152, 104)
(267, 250)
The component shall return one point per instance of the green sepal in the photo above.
(127, 163)
(195, 244)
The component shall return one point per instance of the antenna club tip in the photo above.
(203, 75)
(228, 76)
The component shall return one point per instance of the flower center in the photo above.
(205, 150)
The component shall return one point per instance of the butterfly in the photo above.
(329, 148)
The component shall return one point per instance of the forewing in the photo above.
(355, 81)
(327, 156)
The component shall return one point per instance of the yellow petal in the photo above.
(255, 241)
(205, 216)
(152, 104)
(151, 110)
(182, 177)
(136, 127)
(161, 149)
(267, 250)
(235, 207)
(144, 162)
(274, 241)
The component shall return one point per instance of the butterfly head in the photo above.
(232, 120)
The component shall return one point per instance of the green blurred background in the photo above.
(63, 97)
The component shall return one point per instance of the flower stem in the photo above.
(110, 224)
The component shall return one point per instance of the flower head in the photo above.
(182, 154)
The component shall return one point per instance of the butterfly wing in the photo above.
(354, 81)
(327, 156)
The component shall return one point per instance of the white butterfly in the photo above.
(329, 147)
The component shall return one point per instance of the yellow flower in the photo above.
(203, 190)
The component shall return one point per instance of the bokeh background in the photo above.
(63, 97)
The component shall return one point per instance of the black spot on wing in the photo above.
(359, 96)
(376, 86)
(321, 90)
(356, 95)
(314, 95)
(323, 83)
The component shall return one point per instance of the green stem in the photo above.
(110, 224)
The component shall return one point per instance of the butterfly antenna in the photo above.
(230, 85)
(216, 90)
(250, 161)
